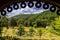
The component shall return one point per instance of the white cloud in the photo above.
(26, 10)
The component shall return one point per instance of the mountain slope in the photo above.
(39, 19)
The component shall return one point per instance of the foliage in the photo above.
(38, 20)
(40, 32)
(41, 19)
(55, 26)
(9, 38)
(4, 21)
(13, 22)
(31, 31)
(21, 30)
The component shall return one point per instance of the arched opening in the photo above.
(25, 18)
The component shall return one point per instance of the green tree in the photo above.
(13, 22)
(4, 21)
(55, 26)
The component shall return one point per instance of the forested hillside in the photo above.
(31, 26)
(34, 20)
(37, 20)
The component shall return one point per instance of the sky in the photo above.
(26, 10)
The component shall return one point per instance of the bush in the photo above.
(9, 38)
(1, 38)
(21, 30)
(55, 26)
(40, 32)
(31, 31)
(4, 22)
(13, 22)
(15, 38)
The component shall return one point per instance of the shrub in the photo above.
(14, 38)
(13, 22)
(40, 32)
(21, 30)
(1, 38)
(55, 26)
(9, 38)
(31, 31)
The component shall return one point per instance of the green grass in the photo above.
(45, 33)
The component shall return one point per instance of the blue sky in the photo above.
(26, 10)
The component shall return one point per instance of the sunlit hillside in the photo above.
(41, 26)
